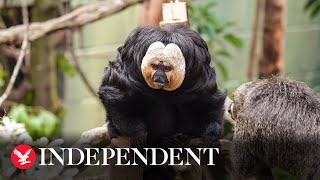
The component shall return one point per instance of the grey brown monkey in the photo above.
(277, 125)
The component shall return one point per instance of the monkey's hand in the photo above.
(176, 140)
(204, 142)
(139, 140)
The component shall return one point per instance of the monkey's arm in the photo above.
(132, 127)
(212, 118)
(202, 119)
(123, 110)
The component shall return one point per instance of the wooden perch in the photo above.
(77, 18)
(97, 137)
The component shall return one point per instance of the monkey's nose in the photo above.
(160, 79)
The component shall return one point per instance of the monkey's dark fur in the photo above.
(277, 125)
(135, 110)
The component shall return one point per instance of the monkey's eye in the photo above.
(154, 66)
(167, 68)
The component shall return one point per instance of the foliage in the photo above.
(64, 65)
(220, 40)
(3, 74)
(215, 31)
(42, 124)
(313, 7)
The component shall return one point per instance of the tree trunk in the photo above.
(43, 65)
(272, 61)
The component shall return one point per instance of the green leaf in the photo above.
(313, 6)
(235, 41)
(223, 53)
(49, 123)
(216, 23)
(34, 127)
(64, 65)
(19, 114)
(190, 9)
(45, 124)
(315, 11)
(209, 31)
(208, 6)
(223, 70)
(309, 3)
(3, 74)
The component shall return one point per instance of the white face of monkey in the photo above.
(163, 67)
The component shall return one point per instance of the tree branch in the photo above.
(256, 31)
(77, 18)
(24, 49)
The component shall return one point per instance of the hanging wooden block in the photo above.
(174, 13)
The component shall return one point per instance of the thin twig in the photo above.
(82, 75)
(256, 30)
(24, 50)
(76, 65)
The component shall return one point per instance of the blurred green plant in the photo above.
(3, 74)
(312, 7)
(64, 65)
(221, 41)
(41, 124)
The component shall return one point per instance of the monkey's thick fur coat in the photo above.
(277, 125)
(147, 115)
